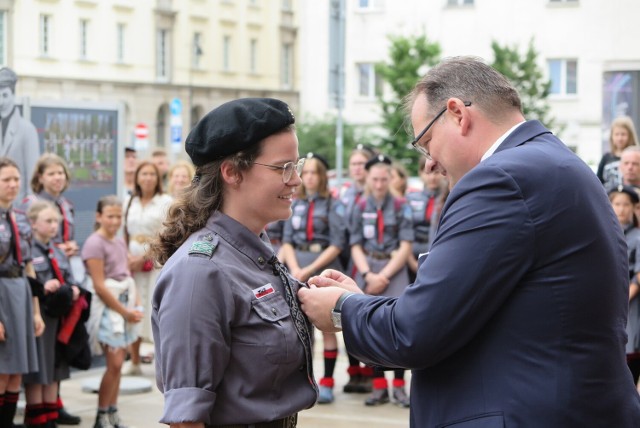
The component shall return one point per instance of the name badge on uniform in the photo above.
(296, 221)
(38, 260)
(2, 228)
(265, 290)
(369, 231)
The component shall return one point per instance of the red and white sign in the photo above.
(141, 131)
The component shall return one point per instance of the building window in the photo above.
(286, 5)
(120, 32)
(369, 82)
(84, 29)
(3, 37)
(459, 2)
(162, 55)
(196, 50)
(563, 74)
(45, 35)
(226, 53)
(287, 65)
(253, 56)
(370, 4)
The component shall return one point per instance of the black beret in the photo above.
(377, 159)
(631, 191)
(366, 148)
(321, 158)
(234, 126)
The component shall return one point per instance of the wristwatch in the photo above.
(336, 313)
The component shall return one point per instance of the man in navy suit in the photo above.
(517, 316)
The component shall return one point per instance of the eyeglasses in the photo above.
(287, 168)
(422, 149)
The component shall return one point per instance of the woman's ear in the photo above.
(230, 174)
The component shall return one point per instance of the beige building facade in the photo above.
(146, 53)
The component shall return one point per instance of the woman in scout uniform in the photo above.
(20, 320)
(233, 347)
(143, 216)
(313, 239)
(381, 236)
(359, 376)
(60, 291)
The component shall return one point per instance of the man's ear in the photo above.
(460, 113)
(230, 174)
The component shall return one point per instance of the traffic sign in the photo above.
(175, 107)
(141, 131)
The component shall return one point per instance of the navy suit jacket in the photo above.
(517, 316)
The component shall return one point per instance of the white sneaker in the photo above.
(130, 369)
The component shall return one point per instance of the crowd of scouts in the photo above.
(52, 318)
(374, 228)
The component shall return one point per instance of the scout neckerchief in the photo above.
(299, 319)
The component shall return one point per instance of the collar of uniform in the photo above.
(372, 201)
(241, 238)
(41, 246)
(49, 197)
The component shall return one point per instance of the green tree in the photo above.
(318, 135)
(525, 74)
(408, 58)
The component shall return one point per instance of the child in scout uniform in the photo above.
(359, 376)
(313, 239)
(20, 320)
(381, 236)
(233, 347)
(115, 310)
(50, 179)
(60, 291)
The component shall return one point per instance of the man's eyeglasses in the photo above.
(287, 168)
(422, 149)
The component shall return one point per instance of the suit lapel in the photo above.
(10, 135)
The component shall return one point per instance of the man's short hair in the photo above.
(468, 79)
(158, 153)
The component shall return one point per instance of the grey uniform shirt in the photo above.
(328, 222)
(66, 213)
(398, 225)
(227, 351)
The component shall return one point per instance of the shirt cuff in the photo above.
(188, 405)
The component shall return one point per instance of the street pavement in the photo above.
(143, 410)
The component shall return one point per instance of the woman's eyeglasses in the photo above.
(287, 168)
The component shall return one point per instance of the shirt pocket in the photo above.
(278, 334)
(5, 242)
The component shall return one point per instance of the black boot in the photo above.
(66, 418)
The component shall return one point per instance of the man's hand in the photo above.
(334, 278)
(2, 336)
(317, 304)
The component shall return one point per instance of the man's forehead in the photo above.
(630, 156)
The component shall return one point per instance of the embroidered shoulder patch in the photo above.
(205, 246)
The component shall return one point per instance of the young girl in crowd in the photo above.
(49, 181)
(621, 136)
(624, 199)
(60, 291)
(114, 311)
(313, 238)
(20, 320)
(381, 237)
